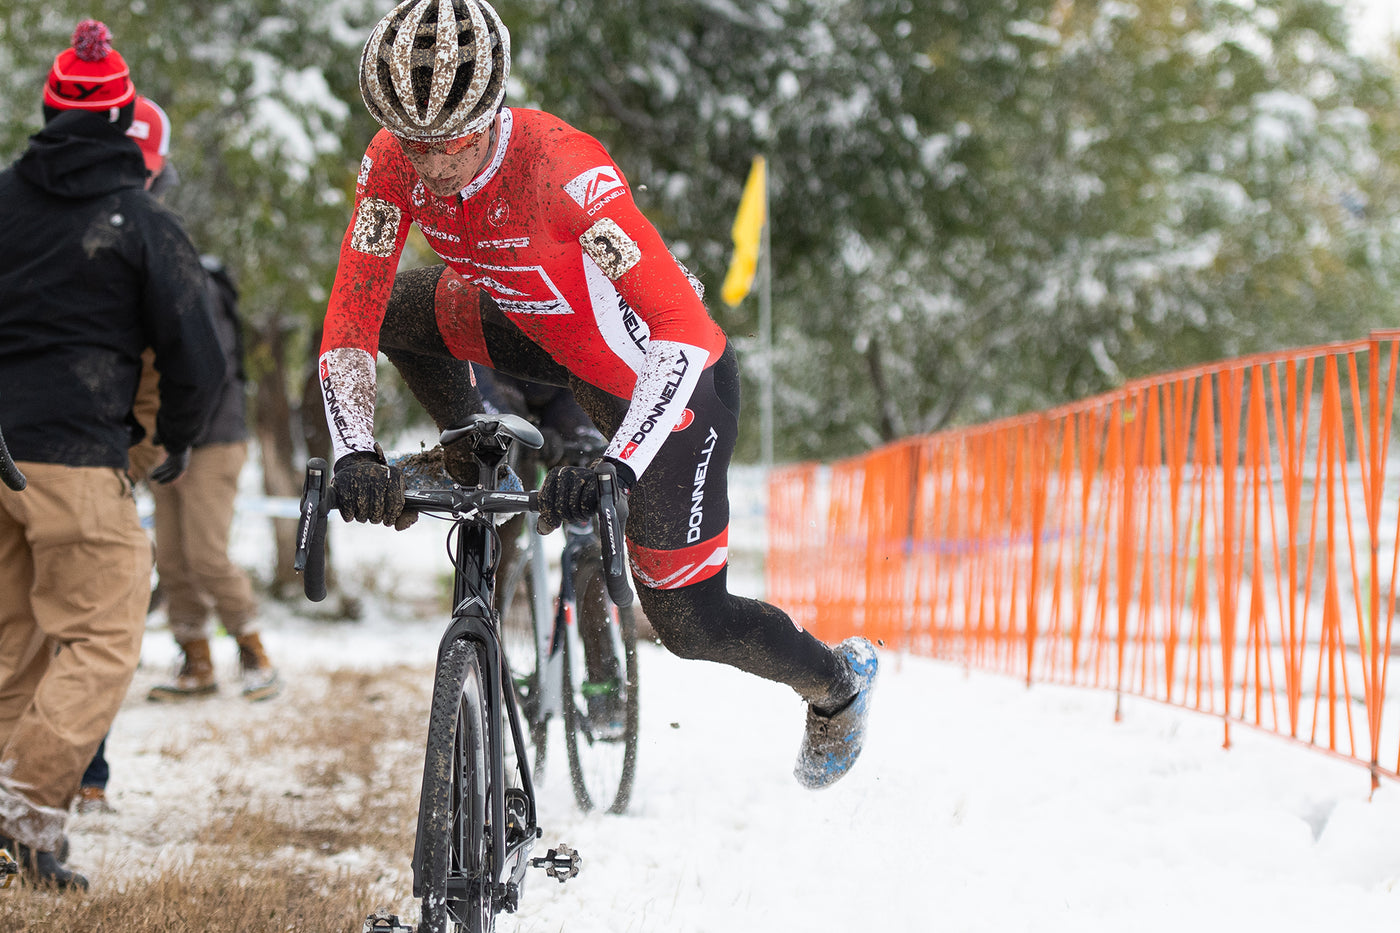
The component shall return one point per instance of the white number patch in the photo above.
(376, 228)
(614, 251)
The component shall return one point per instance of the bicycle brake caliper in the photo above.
(561, 863)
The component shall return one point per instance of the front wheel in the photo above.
(454, 881)
(602, 705)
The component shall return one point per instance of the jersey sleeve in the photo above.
(369, 253)
(595, 206)
(364, 278)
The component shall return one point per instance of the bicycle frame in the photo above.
(473, 619)
(564, 613)
(513, 818)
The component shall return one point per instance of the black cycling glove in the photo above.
(367, 489)
(569, 494)
(170, 469)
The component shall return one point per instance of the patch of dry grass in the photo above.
(213, 896)
(356, 750)
(349, 745)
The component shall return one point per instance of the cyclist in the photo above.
(559, 279)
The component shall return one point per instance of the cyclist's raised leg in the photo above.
(678, 545)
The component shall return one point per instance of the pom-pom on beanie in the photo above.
(91, 75)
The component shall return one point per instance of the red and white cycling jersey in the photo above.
(550, 231)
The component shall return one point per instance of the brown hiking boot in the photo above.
(195, 679)
(259, 677)
(92, 800)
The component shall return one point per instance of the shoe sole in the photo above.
(167, 695)
(255, 694)
(816, 772)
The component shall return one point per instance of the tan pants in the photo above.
(193, 518)
(75, 571)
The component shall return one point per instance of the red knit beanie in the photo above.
(91, 75)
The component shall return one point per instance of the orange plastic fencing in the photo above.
(1219, 539)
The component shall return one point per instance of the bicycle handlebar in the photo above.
(311, 529)
(9, 473)
(612, 524)
(318, 498)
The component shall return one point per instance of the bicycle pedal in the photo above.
(8, 868)
(561, 863)
(384, 922)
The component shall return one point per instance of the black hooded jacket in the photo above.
(92, 271)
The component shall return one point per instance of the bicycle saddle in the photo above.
(494, 427)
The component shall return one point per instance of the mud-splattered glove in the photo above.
(569, 494)
(170, 469)
(367, 489)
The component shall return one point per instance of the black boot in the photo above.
(43, 867)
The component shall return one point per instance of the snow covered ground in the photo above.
(979, 805)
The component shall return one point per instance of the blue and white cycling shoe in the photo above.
(833, 741)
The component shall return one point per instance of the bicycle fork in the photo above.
(514, 825)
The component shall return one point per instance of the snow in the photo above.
(1375, 26)
(979, 804)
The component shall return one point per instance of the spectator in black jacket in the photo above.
(92, 270)
(194, 518)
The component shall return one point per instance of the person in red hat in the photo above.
(90, 76)
(194, 517)
(150, 127)
(93, 270)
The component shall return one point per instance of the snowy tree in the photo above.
(263, 101)
(980, 208)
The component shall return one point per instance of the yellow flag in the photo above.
(748, 225)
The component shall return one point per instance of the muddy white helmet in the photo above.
(436, 69)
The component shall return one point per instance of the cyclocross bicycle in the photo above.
(477, 820)
(577, 659)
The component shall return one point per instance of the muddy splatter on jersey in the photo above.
(550, 231)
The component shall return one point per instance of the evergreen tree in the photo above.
(978, 207)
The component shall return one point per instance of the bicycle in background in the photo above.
(577, 658)
(477, 819)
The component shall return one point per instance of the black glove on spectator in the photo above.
(171, 468)
(570, 494)
(367, 489)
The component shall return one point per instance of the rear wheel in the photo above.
(453, 833)
(601, 701)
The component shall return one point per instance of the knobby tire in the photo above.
(611, 791)
(452, 821)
